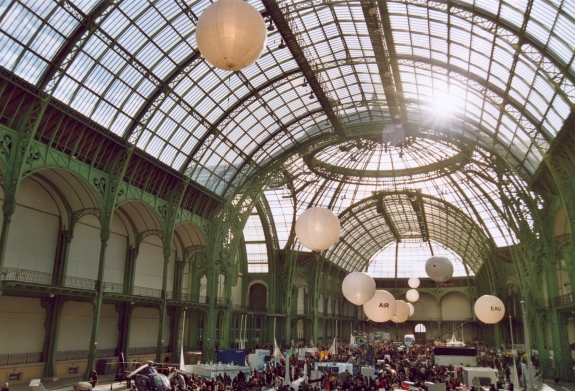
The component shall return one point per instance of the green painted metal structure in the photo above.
(198, 146)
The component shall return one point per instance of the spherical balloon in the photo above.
(489, 309)
(231, 34)
(358, 287)
(381, 307)
(401, 311)
(439, 269)
(317, 228)
(412, 295)
(411, 309)
(413, 282)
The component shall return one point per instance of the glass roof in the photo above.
(407, 259)
(476, 82)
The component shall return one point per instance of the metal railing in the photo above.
(456, 282)
(42, 278)
(147, 292)
(80, 283)
(569, 298)
(21, 358)
(201, 299)
(113, 287)
(140, 351)
(23, 275)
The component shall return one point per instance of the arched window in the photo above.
(420, 328)
(256, 247)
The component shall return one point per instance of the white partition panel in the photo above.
(21, 325)
(108, 332)
(144, 330)
(75, 326)
(150, 264)
(84, 255)
(116, 252)
(33, 233)
(455, 306)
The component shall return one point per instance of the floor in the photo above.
(106, 383)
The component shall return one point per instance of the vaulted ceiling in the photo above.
(383, 111)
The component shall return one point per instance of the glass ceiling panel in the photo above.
(32, 33)
(138, 74)
(407, 259)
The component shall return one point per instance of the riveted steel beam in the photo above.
(383, 64)
(291, 42)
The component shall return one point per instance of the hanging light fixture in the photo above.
(311, 96)
(282, 44)
(271, 26)
(317, 228)
(231, 34)
(304, 82)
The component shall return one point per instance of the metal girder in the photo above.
(87, 22)
(418, 207)
(289, 38)
(388, 38)
(381, 209)
(162, 86)
(383, 64)
(230, 111)
(151, 100)
(284, 128)
(470, 76)
(442, 5)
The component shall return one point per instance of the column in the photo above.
(160, 340)
(61, 258)
(124, 311)
(104, 236)
(52, 325)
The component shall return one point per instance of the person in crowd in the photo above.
(93, 378)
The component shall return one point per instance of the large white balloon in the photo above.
(317, 228)
(381, 307)
(439, 269)
(401, 311)
(412, 295)
(413, 282)
(358, 287)
(231, 34)
(489, 309)
(411, 309)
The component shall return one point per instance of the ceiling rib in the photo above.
(160, 89)
(229, 112)
(297, 51)
(383, 64)
(418, 207)
(87, 22)
(381, 209)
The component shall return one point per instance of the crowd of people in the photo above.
(397, 365)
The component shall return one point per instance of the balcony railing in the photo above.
(23, 275)
(20, 358)
(79, 283)
(10, 274)
(569, 298)
(458, 282)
